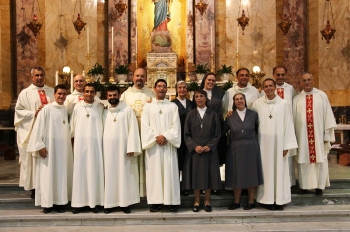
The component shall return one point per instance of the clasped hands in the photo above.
(200, 149)
(160, 140)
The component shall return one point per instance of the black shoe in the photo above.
(75, 210)
(234, 206)
(271, 207)
(202, 192)
(32, 195)
(195, 208)
(249, 206)
(155, 208)
(207, 208)
(125, 209)
(108, 210)
(184, 193)
(319, 192)
(302, 191)
(279, 207)
(60, 208)
(215, 192)
(47, 210)
(172, 208)
(94, 210)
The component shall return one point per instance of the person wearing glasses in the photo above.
(30, 102)
(286, 92)
(215, 97)
(314, 129)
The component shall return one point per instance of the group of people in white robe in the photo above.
(137, 145)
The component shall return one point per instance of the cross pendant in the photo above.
(64, 122)
(88, 115)
(160, 112)
(270, 116)
(114, 120)
(201, 125)
(242, 131)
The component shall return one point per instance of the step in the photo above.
(220, 215)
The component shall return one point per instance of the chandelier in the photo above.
(79, 24)
(34, 25)
(328, 32)
(243, 20)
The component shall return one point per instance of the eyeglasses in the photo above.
(280, 74)
(307, 80)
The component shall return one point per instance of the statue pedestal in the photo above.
(161, 66)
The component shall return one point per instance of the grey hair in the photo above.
(37, 68)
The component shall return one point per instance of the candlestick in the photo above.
(112, 38)
(88, 40)
(237, 38)
(71, 82)
(83, 74)
(56, 78)
(211, 38)
(136, 43)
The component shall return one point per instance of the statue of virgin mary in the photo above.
(161, 14)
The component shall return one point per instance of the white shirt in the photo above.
(208, 93)
(183, 102)
(202, 111)
(241, 114)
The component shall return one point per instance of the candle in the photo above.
(83, 73)
(136, 42)
(211, 39)
(112, 38)
(237, 37)
(88, 40)
(71, 81)
(56, 78)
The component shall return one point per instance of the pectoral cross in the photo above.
(88, 115)
(270, 116)
(160, 112)
(114, 120)
(64, 122)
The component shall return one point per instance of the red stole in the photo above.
(310, 128)
(42, 96)
(81, 97)
(280, 92)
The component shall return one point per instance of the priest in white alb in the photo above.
(286, 92)
(121, 146)
(161, 136)
(136, 96)
(87, 130)
(241, 86)
(29, 103)
(79, 82)
(50, 142)
(314, 127)
(276, 136)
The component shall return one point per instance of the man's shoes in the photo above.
(172, 208)
(270, 207)
(32, 195)
(319, 192)
(125, 209)
(155, 208)
(75, 210)
(60, 208)
(234, 206)
(47, 210)
(302, 191)
(108, 210)
(207, 208)
(279, 207)
(195, 208)
(94, 210)
(249, 206)
(184, 193)
(215, 192)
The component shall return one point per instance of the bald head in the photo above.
(79, 82)
(139, 78)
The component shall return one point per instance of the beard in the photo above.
(113, 101)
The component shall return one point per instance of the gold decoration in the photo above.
(243, 21)
(201, 7)
(257, 75)
(35, 26)
(121, 8)
(285, 25)
(79, 24)
(328, 32)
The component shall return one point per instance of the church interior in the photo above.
(114, 37)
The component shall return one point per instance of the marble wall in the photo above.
(5, 55)
(258, 44)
